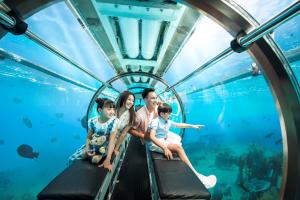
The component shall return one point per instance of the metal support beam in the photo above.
(44, 70)
(248, 39)
(11, 22)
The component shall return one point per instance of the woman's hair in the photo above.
(164, 108)
(121, 101)
(104, 103)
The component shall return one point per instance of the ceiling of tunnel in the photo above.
(137, 36)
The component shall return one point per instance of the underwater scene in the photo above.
(44, 118)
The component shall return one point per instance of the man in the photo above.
(144, 116)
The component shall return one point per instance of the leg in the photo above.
(178, 149)
(208, 181)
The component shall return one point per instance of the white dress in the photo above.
(123, 122)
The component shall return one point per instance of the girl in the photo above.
(126, 116)
(101, 134)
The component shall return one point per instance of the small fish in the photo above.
(27, 122)
(59, 115)
(26, 151)
(279, 141)
(269, 135)
(2, 141)
(53, 139)
(17, 100)
(84, 122)
(76, 136)
(51, 124)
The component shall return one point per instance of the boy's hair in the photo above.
(164, 108)
(147, 91)
(104, 103)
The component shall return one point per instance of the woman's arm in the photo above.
(153, 138)
(121, 138)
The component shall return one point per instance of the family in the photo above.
(151, 123)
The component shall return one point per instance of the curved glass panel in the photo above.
(204, 44)
(264, 10)
(66, 34)
(241, 142)
(36, 54)
(287, 37)
(42, 113)
(234, 67)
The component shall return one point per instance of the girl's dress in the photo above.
(123, 121)
(101, 133)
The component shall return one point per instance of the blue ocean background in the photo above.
(240, 117)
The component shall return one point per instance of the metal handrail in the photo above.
(246, 40)
(270, 25)
(45, 70)
(10, 21)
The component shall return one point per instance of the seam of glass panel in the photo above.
(253, 36)
(44, 70)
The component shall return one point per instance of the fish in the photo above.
(26, 151)
(279, 141)
(2, 141)
(17, 100)
(83, 121)
(59, 115)
(76, 136)
(269, 135)
(27, 122)
(53, 139)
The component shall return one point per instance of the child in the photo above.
(101, 134)
(163, 141)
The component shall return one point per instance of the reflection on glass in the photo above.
(287, 37)
(202, 45)
(262, 11)
(66, 34)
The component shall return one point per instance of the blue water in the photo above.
(241, 122)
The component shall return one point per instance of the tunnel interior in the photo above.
(249, 110)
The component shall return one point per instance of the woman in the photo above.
(126, 116)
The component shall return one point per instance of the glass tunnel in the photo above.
(231, 65)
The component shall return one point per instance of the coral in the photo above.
(225, 159)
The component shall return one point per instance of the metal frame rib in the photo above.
(247, 40)
(7, 20)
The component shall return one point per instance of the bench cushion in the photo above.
(175, 180)
(81, 180)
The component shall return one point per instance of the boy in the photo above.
(164, 141)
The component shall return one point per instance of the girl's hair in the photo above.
(122, 100)
(164, 108)
(104, 103)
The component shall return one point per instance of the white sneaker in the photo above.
(208, 181)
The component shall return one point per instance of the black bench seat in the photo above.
(175, 180)
(81, 180)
